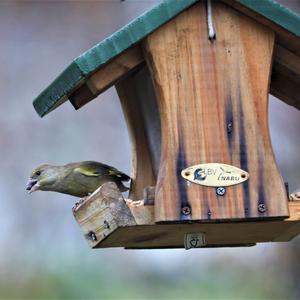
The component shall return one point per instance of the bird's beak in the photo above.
(32, 185)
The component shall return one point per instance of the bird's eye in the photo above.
(38, 173)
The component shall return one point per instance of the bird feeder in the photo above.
(193, 78)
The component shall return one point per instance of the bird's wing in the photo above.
(87, 172)
(97, 169)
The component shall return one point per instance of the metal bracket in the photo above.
(194, 240)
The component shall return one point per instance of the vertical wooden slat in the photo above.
(140, 109)
(213, 102)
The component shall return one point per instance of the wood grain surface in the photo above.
(134, 94)
(102, 213)
(213, 102)
(114, 71)
(285, 81)
(107, 220)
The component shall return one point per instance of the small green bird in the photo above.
(77, 179)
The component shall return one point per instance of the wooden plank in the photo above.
(149, 114)
(285, 82)
(81, 96)
(120, 67)
(149, 195)
(142, 172)
(108, 221)
(266, 15)
(216, 234)
(287, 51)
(213, 102)
(288, 62)
(102, 213)
(285, 88)
(143, 214)
(294, 230)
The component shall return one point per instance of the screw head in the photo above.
(92, 236)
(106, 225)
(229, 127)
(186, 210)
(221, 191)
(261, 208)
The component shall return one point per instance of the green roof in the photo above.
(275, 12)
(100, 54)
(90, 61)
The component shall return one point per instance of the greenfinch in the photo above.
(78, 179)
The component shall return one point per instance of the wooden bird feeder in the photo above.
(193, 79)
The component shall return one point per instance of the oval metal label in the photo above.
(215, 174)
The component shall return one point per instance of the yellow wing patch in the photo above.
(114, 173)
(87, 172)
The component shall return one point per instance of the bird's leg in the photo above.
(79, 203)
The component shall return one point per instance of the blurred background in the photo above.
(43, 254)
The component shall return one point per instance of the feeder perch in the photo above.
(193, 78)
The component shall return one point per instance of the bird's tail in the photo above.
(121, 176)
(124, 177)
(122, 187)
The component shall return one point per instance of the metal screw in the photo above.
(106, 224)
(186, 210)
(209, 214)
(92, 236)
(262, 208)
(229, 127)
(221, 191)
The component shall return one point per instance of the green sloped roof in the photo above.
(100, 54)
(87, 63)
(275, 12)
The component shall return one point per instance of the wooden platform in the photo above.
(107, 220)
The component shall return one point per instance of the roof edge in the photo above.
(106, 50)
(132, 33)
(275, 12)
(56, 93)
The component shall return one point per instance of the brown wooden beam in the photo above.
(134, 94)
(283, 37)
(115, 70)
(285, 81)
(108, 221)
